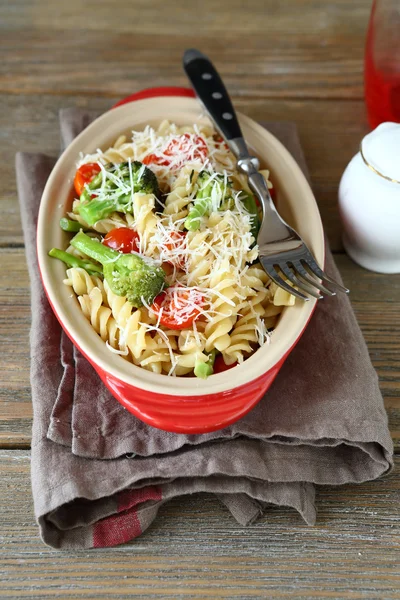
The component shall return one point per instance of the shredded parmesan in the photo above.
(208, 271)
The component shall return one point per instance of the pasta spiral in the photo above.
(147, 346)
(224, 315)
(145, 218)
(81, 282)
(99, 316)
(249, 329)
(181, 193)
(120, 152)
(200, 258)
(212, 297)
(132, 335)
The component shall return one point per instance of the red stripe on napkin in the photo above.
(125, 525)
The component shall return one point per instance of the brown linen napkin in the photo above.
(322, 421)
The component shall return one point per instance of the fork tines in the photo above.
(301, 277)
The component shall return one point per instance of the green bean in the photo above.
(205, 369)
(70, 225)
(74, 261)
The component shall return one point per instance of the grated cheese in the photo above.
(207, 269)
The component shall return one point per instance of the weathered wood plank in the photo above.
(195, 549)
(299, 49)
(375, 298)
(156, 17)
(329, 138)
(291, 52)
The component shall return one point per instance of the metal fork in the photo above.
(282, 252)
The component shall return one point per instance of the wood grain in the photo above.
(298, 60)
(154, 18)
(301, 49)
(375, 298)
(195, 549)
(328, 147)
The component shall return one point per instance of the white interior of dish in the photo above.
(296, 204)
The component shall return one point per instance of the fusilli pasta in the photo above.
(216, 299)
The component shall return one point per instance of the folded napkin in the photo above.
(99, 474)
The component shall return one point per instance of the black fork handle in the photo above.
(210, 89)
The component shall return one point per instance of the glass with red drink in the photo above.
(382, 63)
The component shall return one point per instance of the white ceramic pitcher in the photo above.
(369, 201)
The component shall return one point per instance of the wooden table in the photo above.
(297, 60)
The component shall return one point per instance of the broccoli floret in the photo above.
(214, 192)
(70, 226)
(127, 274)
(112, 190)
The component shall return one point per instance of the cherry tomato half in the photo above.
(220, 366)
(184, 146)
(153, 159)
(180, 307)
(123, 239)
(84, 175)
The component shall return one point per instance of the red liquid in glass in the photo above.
(382, 89)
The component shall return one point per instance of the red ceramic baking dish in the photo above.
(177, 404)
